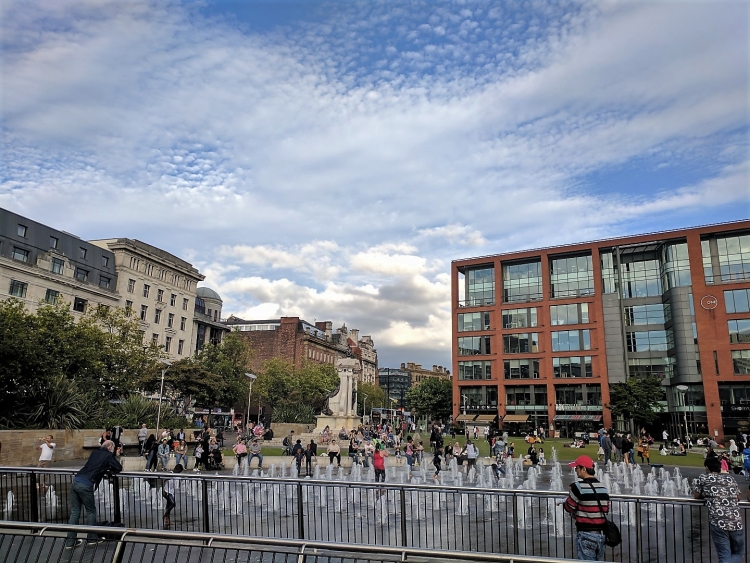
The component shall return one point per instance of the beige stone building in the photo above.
(39, 264)
(160, 289)
(419, 374)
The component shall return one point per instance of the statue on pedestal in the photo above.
(342, 401)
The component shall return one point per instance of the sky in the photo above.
(328, 160)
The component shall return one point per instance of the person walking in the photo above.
(437, 463)
(100, 462)
(47, 447)
(378, 462)
(168, 495)
(588, 504)
(607, 447)
(721, 493)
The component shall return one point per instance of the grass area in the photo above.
(569, 454)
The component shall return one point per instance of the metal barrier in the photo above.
(478, 520)
(22, 542)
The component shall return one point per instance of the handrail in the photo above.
(356, 484)
(302, 546)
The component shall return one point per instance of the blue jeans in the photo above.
(590, 546)
(181, 459)
(250, 457)
(730, 546)
(81, 494)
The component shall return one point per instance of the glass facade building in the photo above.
(574, 319)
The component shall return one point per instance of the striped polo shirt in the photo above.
(582, 504)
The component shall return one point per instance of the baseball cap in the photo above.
(583, 461)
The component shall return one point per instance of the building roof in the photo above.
(208, 293)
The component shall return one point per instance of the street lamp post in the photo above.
(364, 407)
(252, 377)
(167, 365)
(683, 389)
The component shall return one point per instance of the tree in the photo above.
(638, 399)
(375, 396)
(432, 398)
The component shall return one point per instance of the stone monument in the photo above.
(341, 405)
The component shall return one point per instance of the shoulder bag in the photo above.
(612, 535)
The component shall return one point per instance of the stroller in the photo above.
(214, 460)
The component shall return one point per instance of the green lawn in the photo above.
(569, 454)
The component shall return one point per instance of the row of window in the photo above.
(527, 368)
(573, 314)
(523, 343)
(54, 243)
(159, 295)
(162, 273)
(57, 266)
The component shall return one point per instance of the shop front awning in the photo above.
(485, 418)
(577, 417)
(515, 418)
(465, 418)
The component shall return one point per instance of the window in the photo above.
(157, 316)
(645, 315)
(144, 312)
(173, 300)
(167, 343)
(520, 343)
(102, 309)
(522, 282)
(572, 276)
(577, 313)
(155, 339)
(647, 340)
(53, 242)
(565, 340)
(659, 367)
(521, 369)
(518, 396)
(739, 331)
(22, 230)
(185, 303)
(160, 295)
(51, 296)
(131, 286)
(200, 306)
(17, 288)
(128, 307)
(741, 361)
(209, 312)
(82, 275)
(737, 301)
(82, 253)
(520, 318)
(473, 345)
(479, 286)
(104, 282)
(146, 289)
(79, 305)
(474, 370)
(105, 261)
(676, 266)
(473, 321)
(57, 266)
(20, 254)
(183, 321)
(170, 320)
(180, 346)
(733, 253)
(575, 366)
(640, 271)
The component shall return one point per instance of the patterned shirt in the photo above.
(582, 504)
(720, 492)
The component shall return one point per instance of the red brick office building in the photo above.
(539, 335)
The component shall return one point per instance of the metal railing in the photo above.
(467, 519)
(23, 542)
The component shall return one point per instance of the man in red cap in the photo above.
(588, 503)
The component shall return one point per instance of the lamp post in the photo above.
(683, 389)
(464, 398)
(364, 407)
(167, 365)
(252, 377)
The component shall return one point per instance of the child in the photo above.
(198, 454)
(420, 453)
(511, 450)
(437, 463)
(540, 455)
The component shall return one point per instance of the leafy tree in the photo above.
(637, 399)
(375, 396)
(432, 398)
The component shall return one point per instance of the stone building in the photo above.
(159, 288)
(207, 325)
(418, 374)
(39, 264)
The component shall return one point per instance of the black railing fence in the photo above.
(480, 520)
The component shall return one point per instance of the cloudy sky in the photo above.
(329, 159)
